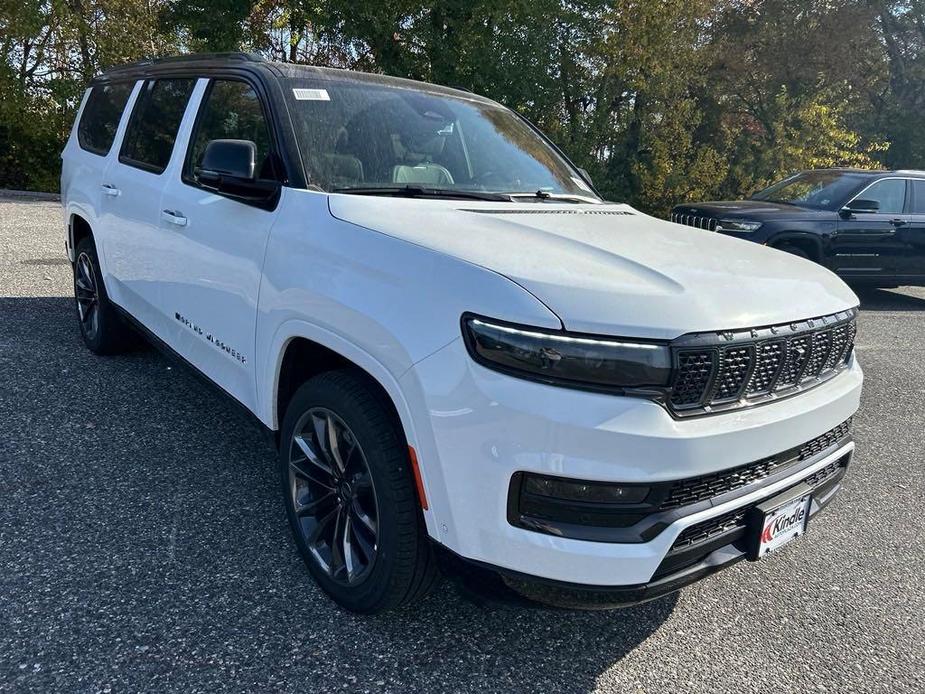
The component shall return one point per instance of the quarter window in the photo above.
(890, 193)
(155, 121)
(231, 111)
(101, 114)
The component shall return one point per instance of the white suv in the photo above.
(463, 352)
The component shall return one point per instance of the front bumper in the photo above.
(476, 428)
(676, 571)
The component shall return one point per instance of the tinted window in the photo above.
(918, 197)
(890, 193)
(101, 116)
(231, 111)
(155, 121)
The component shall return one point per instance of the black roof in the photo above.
(875, 173)
(201, 61)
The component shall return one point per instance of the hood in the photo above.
(610, 269)
(751, 209)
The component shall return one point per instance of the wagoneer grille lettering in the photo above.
(716, 371)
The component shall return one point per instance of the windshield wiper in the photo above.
(556, 197)
(422, 192)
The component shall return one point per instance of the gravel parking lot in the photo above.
(143, 546)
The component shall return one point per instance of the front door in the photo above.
(217, 244)
(870, 243)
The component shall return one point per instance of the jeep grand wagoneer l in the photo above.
(458, 345)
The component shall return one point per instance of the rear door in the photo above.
(216, 243)
(87, 153)
(870, 243)
(913, 261)
(132, 185)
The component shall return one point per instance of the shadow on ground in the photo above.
(144, 546)
(873, 299)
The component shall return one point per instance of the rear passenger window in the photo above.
(231, 110)
(155, 121)
(101, 115)
(918, 196)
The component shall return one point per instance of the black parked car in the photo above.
(867, 226)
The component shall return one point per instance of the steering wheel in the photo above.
(487, 177)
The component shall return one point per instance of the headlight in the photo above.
(737, 225)
(564, 359)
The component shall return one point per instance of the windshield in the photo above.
(824, 190)
(357, 135)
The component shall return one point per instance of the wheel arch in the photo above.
(78, 228)
(810, 243)
(303, 350)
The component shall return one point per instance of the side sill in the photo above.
(270, 436)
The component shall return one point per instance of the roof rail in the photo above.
(910, 171)
(190, 57)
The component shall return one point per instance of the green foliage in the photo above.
(661, 101)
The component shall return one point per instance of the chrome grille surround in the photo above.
(718, 371)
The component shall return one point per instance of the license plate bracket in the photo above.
(777, 521)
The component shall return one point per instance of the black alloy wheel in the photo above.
(87, 296)
(102, 328)
(333, 496)
(350, 495)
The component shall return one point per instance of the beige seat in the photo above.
(416, 165)
(427, 173)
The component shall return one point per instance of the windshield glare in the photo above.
(361, 135)
(824, 190)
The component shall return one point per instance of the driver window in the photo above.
(890, 193)
(231, 111)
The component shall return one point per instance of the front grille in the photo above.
(716, 371)
(694, 371)
(828, 439)
(733, 520)
(707, 530)
(820, 477)
(694, 220)
(734, 365)
(695, 489)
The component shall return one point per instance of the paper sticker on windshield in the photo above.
(311, 94)
(581, 184)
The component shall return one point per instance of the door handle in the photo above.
(110, 190)
(899, 222)
(174, 217)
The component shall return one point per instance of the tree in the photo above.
(660, 101)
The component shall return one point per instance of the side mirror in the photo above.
(862, 206)
(236, 158)
(229, 166)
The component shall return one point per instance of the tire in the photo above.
(793, 250)
(361, 489)
(101, 327)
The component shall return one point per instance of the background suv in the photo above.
(866, 226)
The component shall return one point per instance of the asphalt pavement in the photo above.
(144, 547)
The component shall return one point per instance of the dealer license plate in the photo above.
(783, 524)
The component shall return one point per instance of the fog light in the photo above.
(577, 490)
